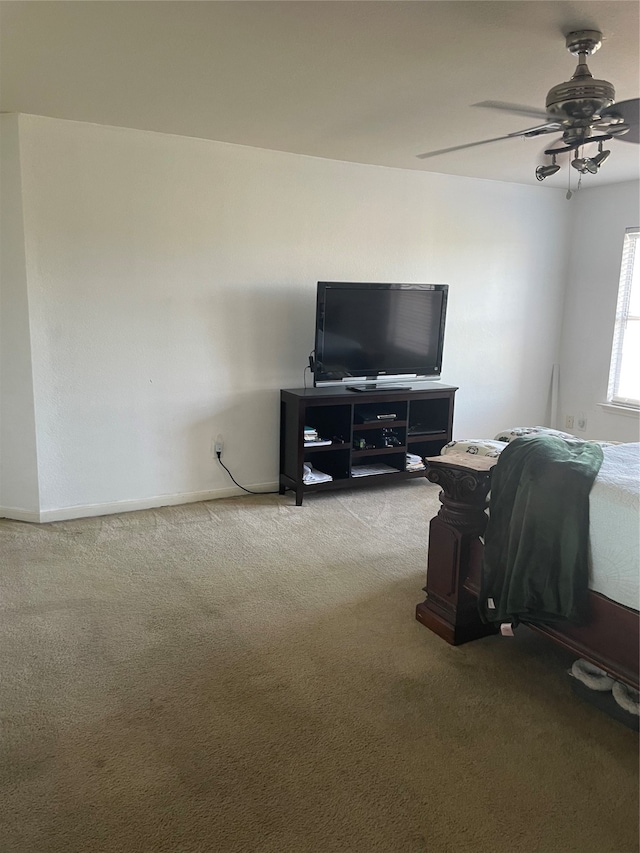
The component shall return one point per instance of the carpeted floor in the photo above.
(245, 676)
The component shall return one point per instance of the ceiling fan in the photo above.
(583, 110)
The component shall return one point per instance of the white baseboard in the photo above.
(17, 514)
(88, 510)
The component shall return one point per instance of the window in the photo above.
(624, 377)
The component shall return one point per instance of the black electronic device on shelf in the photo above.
(371, 414)
(375, 331)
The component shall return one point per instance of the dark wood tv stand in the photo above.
(422, 425)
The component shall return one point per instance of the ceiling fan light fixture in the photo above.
(543, 172)
(586, 165)
(600, 157)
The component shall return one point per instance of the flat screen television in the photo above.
(379, 331)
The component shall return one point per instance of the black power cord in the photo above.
(310, 367)
(244, 489)
(304, 373)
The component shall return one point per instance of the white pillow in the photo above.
(475, 446)
(518, 432)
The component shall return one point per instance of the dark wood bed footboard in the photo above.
(611, 638)
(453, 563)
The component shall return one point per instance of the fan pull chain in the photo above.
(580, 173)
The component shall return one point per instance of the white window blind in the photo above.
(624, 376)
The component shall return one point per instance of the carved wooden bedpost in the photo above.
(455, 550)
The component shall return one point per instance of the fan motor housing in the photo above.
(580, 98)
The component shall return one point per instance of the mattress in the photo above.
(614, 526)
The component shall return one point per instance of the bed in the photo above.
(610, 636)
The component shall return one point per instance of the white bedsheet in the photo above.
(614, 525)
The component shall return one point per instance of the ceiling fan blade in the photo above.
(518, 109)
(460, 147)
(629, 112)
(538, 130)
(550, 127)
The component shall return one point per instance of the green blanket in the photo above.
(535, 564)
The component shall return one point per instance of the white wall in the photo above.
(599, 219)
(18, 457)
(171, 287)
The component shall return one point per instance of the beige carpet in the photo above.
(245, 676)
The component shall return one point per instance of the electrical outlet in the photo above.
(568, 424)
(218, 445)
(581, 422)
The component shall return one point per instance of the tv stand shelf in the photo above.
(422, 425)
(379, 425)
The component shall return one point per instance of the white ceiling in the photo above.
(370, 82)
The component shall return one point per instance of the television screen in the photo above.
(370, 331)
